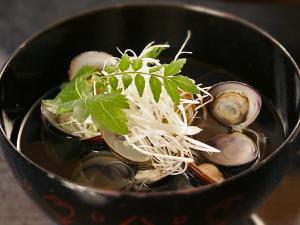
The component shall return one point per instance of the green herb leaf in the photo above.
(110, 69)
(137, 64)
(68, 93)
(114, 100)
(172, 91)
(154, 52)
(185, 84)
(139, 84)
(84, 85)
(113, 81)
(174, 67)
(80, 111)
(155, 69)
(126, 80)
(124, 63)
(155, 86)
(85, 70)
(107, 112)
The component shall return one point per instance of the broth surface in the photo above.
(32, 139)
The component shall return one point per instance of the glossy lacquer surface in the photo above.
(255, 58)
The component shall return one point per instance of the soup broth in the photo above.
(93, 162)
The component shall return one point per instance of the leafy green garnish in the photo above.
(174, 67)
(139, 84)
(172, 91)
(68, 93)
(80, 111)
(155, 86)
(107, 112)
(113, 81)
(127, 79)
(86, 70)
(154, 52)
(124, 63)
(137, 64)
(97, 93)
(110, 69)
(185, 84)
(155, 69)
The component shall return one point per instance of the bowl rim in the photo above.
(171, 5)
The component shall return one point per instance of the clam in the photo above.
(235, 104)
(90, 58)
(103, 170)
(156, 180)
(61, 146)
(149, 176)
(125, 153)
(211, 171)
(64, 141)
(236, 149)
(63, 123)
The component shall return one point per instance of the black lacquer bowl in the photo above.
(218, 39)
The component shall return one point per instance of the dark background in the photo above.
(19, 19)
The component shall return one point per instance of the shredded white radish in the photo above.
(159, 129)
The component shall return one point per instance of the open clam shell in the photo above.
(103, 170)
(236, 149)
(125, 153)
(61, 142)
(62, 124)
(235, 104)
(90, 58)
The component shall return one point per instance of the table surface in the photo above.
(18, 20)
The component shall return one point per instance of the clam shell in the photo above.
(254, 101)
(125, 153)
(236, 149)
(103, 170)
(212, 171)
(90, 58)
(68, 129)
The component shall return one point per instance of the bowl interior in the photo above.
(218, 42)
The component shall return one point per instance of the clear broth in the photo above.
(30, 141)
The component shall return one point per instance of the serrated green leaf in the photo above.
(172, 90)
(185, 84)
(114, 99)
(124, 63)
(110, 69)
(80, 111)
(127, 79)
(85, 70)
(107, 112)
(137, 64)
(68, 93)
(75, 89)
(113, 82)
(155, 69)
(174, 67)
(155, 86)
(154, 52)
(139, 84)
(83, 86)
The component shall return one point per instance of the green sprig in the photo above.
(98, 93)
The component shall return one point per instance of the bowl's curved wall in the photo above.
(43, 61)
